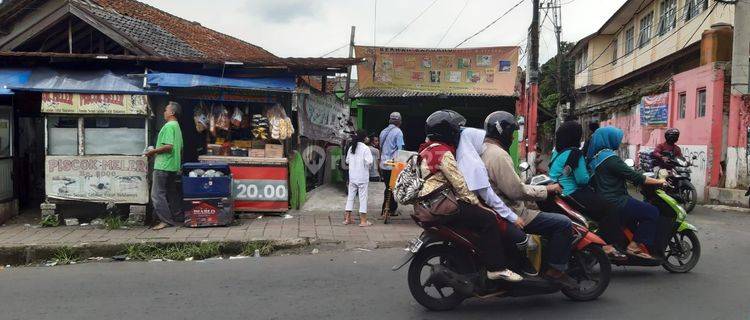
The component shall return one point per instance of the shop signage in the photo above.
(118, 179)
(76, 103)
(654, 110)
(323, 117)
(491, 71)
(260, 188)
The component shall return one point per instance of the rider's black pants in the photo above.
(482, 221)
(601, 211)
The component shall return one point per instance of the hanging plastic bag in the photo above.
(223, 121)
(201, 119)
(212, 120)
(237, 116)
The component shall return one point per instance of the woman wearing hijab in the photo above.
(440, 166)
(468, 156)
(568, 168)
(608, 179)
(359, 159)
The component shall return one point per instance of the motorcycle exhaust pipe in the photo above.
(444, 277)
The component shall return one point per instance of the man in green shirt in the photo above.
(168, 153)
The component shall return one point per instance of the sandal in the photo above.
(616, 255)
(640, 253)
(366, 224)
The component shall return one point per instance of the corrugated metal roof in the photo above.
(403, 93)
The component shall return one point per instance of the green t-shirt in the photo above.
(170, 133)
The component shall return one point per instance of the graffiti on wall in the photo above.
(701, 163)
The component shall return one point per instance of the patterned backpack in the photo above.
(409, 182)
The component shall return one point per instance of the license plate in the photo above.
(415, 245)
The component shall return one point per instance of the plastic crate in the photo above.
(206, 187)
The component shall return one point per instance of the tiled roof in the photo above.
(169, 35)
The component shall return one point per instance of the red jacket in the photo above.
(662, 148)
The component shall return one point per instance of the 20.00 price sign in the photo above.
(259, 190)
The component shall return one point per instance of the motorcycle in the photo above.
(678, 178)
(445, 267)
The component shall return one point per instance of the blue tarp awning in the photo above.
(82, 81)
(184, 80)
(12, 78)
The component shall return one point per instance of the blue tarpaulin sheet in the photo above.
(184, 80)
(12, 78)
(82, 81)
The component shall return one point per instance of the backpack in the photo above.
(409, 182)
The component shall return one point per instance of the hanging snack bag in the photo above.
(201, 119)
(237, 116)
(223, 120)
(212, 120)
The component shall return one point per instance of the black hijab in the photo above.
(568, 137)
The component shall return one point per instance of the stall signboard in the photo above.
(260, 188)
(323, 117)
(116, 179)
(485, 71)
(654, 110)
(76, 103)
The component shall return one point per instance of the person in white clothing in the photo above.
(359, 159)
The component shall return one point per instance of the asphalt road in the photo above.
(360, 285)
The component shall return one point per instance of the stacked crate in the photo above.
(207, 193)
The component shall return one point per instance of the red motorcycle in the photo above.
(445, 267)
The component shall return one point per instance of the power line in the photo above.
(466, 2)
(375, 25)
(412, 21)
(334, 50)
(491, 23)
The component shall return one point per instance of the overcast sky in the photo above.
(311, 28)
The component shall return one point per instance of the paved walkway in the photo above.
(318, 226)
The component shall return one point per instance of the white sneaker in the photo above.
(506, 275)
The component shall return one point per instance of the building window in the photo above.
(615, 44)
(629, 38)
(667, 16)
(700, 105)
(62, 135)
(681, 105)
(645, 33)
(582, 60)
(114, 135)
(694, 8)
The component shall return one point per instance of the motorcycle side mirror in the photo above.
(630, 162)
(524, 166)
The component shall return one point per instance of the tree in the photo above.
(548, 89)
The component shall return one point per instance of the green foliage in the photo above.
(65, 255)
(548, 88)
(178, 251)
(264, 248)
(113, 222)
(48, 221)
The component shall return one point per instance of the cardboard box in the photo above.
(258, 144)
(274, 150)
(207, 212)
(245, 144)
(257, 153)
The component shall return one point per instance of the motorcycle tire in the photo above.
(695, 252)
(446, 256)
(689, 195)
(591, 256)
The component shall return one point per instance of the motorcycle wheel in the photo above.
(689, 195)
(430, 295)
(682, 252)
(592, 267)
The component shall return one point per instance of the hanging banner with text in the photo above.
(323, 117)
(655, 110)
(75, 103)
(116, 179)
(488, 71)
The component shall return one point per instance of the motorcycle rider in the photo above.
(608, 179)
(557, 228)
(663, 151)
(439, 165)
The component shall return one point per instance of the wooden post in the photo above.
(349, 68)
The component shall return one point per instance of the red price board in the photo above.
(260, 188)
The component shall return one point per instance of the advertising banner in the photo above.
(655, 110)
(260, 188)
(117, 179)
(488, 71)
(323, 117)
(75, 103)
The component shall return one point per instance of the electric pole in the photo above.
(534, 44)
(556, 10)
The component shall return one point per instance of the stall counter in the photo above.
(258, 184)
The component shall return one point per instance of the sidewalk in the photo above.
(321, 227)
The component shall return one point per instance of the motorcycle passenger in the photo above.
(609, 174)
(468, 156)
(438, 162)
(667, 150)
(568, 168)
(557, 228)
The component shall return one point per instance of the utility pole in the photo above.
(554, 6)
(534, 41)
(532, 98)
(349, 68)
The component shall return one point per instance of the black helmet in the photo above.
(444, 126)
(500, 125)
(672, 135)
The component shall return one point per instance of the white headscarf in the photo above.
(470, 147)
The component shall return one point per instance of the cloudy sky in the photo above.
(311, 28)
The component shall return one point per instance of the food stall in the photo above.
(94, 147)
(251, 138)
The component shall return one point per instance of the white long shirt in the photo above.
(359, 163)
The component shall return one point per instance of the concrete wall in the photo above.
(737, 171)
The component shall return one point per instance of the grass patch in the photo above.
(49, 221)
(65, 255)
(178, 251)
(113, 222)
(264, 248)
